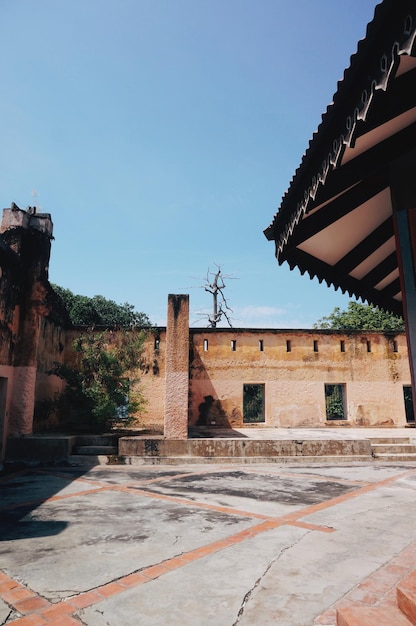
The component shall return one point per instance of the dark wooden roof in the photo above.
(335, 221)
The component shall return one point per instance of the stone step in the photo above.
(243, 447)
(371, 616)
(228, 460)
(392, 440)
(406, 596)
(97, 440)
(401, 448)
(85, 460)
(386, 456)
(95, 450)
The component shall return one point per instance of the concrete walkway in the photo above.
(203, 545)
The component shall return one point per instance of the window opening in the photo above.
(233, 345)
(315, 345)
(122, 410)
(157, 343)
(395, 346)
(368, 346)
(205, 345)
(253, 403)
(261, 345)
(342, 345)
(335, 401)
(288, 345)
(408, 403)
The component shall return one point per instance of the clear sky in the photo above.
(162, 134)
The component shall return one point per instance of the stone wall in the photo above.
(294, 367)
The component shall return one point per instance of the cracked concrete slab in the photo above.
(207, 593)
(227, 545)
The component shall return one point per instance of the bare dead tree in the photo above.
(215, 285)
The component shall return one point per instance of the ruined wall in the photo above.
(51, 351)
(151, 381)
(149, 375)
(294, 367)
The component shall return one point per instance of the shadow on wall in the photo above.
(211, 412)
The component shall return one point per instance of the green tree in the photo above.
(359, 316)
(98, 311)
(100, 386)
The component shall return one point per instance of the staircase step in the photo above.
(85, 460)
(95, 450)
(97, 440)
(393, 448)
(385, 456)
(371, 616)
(389, 440)
(406, 596)
(266, 460)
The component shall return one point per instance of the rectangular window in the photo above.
(233, 345)
(408, 403)
(342, 345)
(335, 402)
(253, 404)
(288, 345)
(315, 345)
(157, 343)
(261, 346)
(368, 346)
(395, 346)
(123, 399)
(205, 345)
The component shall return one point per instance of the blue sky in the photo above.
(162, 134)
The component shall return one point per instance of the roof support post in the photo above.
(403, 195)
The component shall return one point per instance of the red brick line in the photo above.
(378, 589)
(315, 508)
(53, 498)
(317, 477)
(42, 612)
(225, 509)
(7, 477)
(198, 505)
(105, 485)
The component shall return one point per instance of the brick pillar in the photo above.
(177, 367)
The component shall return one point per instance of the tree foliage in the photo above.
(98, 311)
(99, 385)
(359, 316)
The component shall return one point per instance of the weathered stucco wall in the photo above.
(152, 381)
(294, 367)
(372, 367)
(51, 351)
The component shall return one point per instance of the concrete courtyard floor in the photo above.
(203, 545)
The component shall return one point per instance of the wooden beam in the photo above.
(338, 208)
(365, 165)
(383, 269)
(366, 247)
(354, 287)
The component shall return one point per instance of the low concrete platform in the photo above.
(243, 445)
(272, 445)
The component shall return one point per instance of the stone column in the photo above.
(177, 367)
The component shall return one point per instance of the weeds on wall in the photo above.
(101, 387)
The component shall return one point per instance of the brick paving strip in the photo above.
(377, 589)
